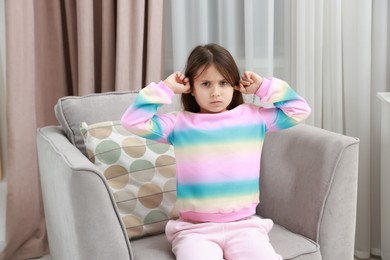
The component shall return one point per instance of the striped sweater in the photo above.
(217, 155)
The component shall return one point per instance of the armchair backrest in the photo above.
(71, 111)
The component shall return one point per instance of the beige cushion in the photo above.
(141, 174)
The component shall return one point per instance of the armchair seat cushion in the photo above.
(293, 246)
(288, 244)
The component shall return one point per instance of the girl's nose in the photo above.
(215, 92)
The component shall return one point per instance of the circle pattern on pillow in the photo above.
(134, 147)
(110, 157)
(117, 176)
(140, 173)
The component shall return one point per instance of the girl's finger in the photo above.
(179, 75)
(240, 88)
(247, 75)
(245, 82)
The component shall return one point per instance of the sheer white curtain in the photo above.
(334, 53)
(249, 35)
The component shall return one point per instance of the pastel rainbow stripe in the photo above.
(217, 155)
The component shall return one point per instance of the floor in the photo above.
(373, 258)
(46, 257)
(49, 258)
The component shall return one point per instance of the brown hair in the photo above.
(202, 57)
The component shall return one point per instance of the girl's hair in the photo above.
(200, 59)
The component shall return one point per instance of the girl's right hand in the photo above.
(178, 82)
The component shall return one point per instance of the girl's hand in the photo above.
(250, 82)
(178, 82)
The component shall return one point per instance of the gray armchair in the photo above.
(308, 188)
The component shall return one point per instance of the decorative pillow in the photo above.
(141, 174)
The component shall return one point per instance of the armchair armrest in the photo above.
(309, 186)
(81, 219)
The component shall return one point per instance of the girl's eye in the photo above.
(205, 84)
(224, 83)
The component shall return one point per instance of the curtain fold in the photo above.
(2, 90)
(248, 35)
(1, 164)
(356, 71)
(153, 56)
(24, 213)
(380, 70)
(55, 49)
(2, 107)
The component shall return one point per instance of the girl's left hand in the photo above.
(250, 82)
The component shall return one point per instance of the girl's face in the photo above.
(212, 91)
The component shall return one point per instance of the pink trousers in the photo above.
(245, 239)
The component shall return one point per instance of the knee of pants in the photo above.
(250, 243)
(195, 248)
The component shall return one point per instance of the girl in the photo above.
(217, 141)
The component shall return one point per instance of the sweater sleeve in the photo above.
(288, 108)
(141, 119)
